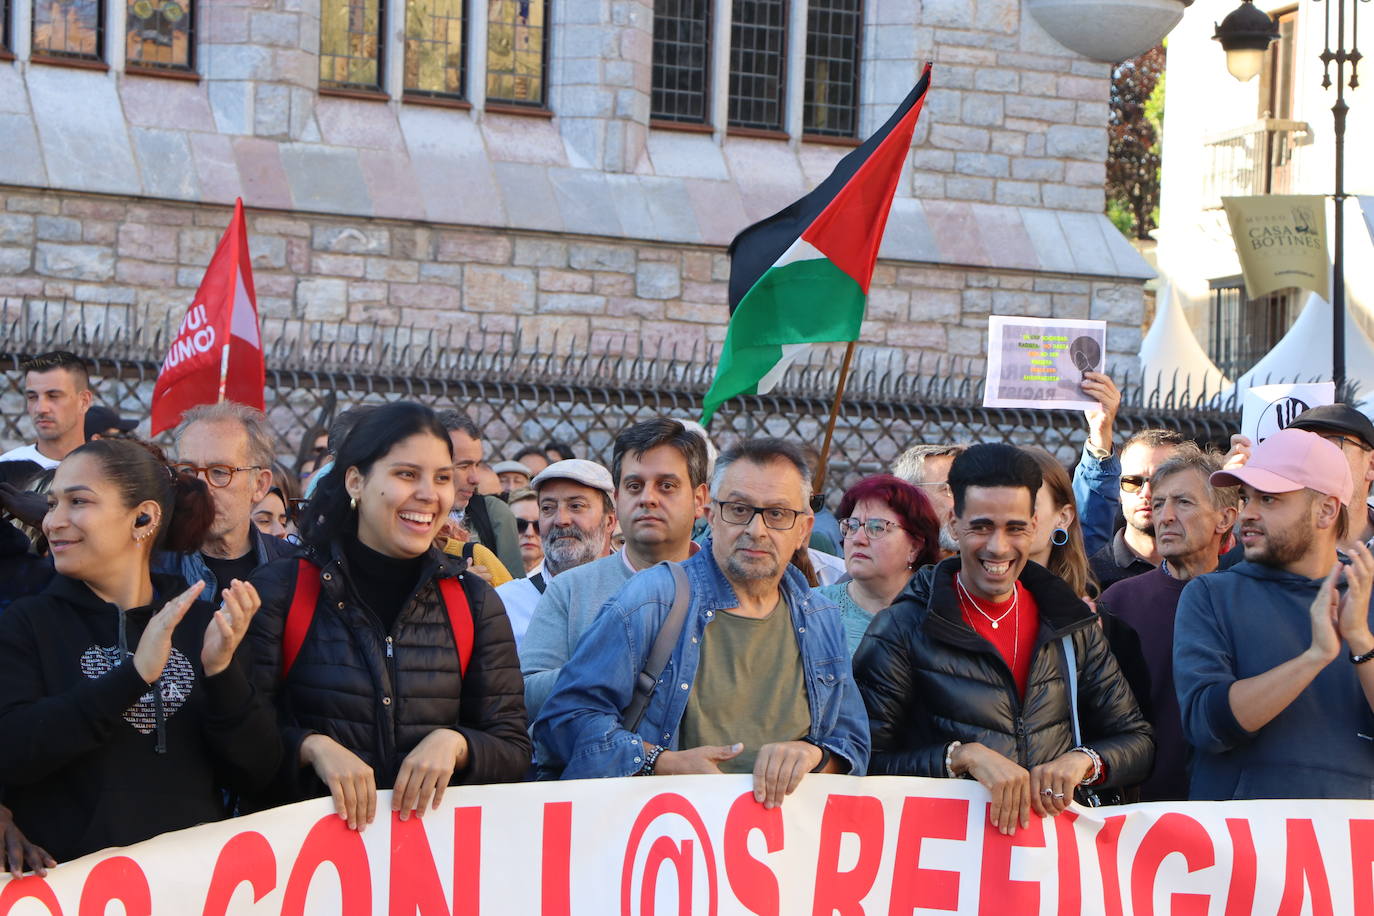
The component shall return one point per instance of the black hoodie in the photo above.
(87, 757)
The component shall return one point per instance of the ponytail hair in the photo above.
(139, 472)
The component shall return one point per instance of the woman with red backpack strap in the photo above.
(391, 667)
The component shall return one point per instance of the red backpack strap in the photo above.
(459, 618)
(300, 614)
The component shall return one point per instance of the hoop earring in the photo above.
(1059, 537)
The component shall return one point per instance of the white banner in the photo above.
(700, 844)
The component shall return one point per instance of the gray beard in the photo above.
(947, 541)
(566, 555)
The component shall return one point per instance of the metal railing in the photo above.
(1252, 160)
(528, 391)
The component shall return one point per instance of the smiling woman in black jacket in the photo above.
(390, 665)
(124, 712)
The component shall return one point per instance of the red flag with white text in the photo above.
(216, 354)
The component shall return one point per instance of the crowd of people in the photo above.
(191, 637)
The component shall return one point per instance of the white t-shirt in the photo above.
(30, 453)
(520, 598)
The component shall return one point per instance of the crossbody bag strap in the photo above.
(1070, 661)
(662, 649)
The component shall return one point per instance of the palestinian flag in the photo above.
(801, 276)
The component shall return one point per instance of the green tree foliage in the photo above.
(1134, 128)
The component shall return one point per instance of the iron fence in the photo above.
(526, 392)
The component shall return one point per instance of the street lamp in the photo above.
(1245, 36)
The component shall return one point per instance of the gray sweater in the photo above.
(567, 610)
(1240, 623)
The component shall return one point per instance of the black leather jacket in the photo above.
(379, 698)
(928, 679)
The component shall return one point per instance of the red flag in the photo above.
(217, 352)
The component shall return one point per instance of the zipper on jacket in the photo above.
(389, 653)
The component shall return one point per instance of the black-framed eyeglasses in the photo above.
(216, 475)
(776, 517)
(1133, 483)
(1338, 440)
(527, 524)
(875, 528)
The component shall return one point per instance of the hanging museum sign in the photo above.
(1281, 241)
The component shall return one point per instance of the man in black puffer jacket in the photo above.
(966, 674)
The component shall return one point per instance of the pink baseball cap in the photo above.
(1293, 459)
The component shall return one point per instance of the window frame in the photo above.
(461, 99)
(7, 29)
(1236, 322)
(752, 130)
(705, 122)
(852, 138)
(515, 106)
(188, 71)
(357, 91)
(99, 61)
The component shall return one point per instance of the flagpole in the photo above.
(223, 371)
(818, 485)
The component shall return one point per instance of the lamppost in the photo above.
(1245, 35)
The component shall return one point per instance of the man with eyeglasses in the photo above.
(758, 679)
(1352, 432)
(927, 467)
(228, 446)
(1131, 551)
(659, 471)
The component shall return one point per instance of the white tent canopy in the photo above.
(1304, 353)
(1171, 357)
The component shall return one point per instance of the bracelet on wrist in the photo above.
(949, 758)
(650, 761)
(1096, 773)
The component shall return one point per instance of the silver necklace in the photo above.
(995, 621)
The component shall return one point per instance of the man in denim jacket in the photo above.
(775, 696)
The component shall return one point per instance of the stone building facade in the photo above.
(584, 217)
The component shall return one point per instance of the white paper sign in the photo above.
(1039, 362)
(1270, 408)
(1367, 206)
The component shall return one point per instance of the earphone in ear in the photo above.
(143, 519)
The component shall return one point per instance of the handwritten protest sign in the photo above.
(1040, 362)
